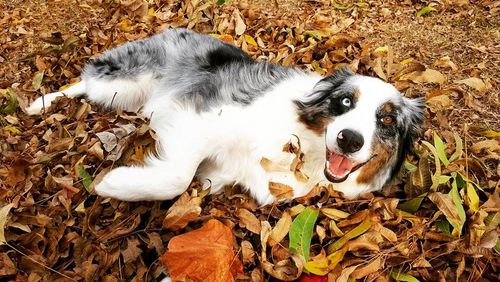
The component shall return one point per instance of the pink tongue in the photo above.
(339, 165)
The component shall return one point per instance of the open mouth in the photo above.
(338, 167)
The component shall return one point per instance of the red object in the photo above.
(304, 277)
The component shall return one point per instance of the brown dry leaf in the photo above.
(474, 82)
(439, 103)
(446, 62)
(4, 211)
(247, 252)
(183, 211)
(108, 140)
(280, 230)
(386, 232)
(135, 8)
(362, 271)
(427, 76)
(8, 267)
(280, 191)
(204, 254)
(248, 220)
(421, 262)
(346, 273)
(288, 269)
(131, 252)
(445, 204)
(486, 145)
(240, 25)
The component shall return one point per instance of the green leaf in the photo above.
(301, 232)
(314, 33)
(398, 276)
(440, 149)
(409, 166)
(355, 232)
(412, 205)
(221, 2)
(339, 6)
(444, 179)
(13, 129)
(85, 176)
(497, 246)
(457, 226)
(444, 226)
(437, 174)
(12, 104)
(425, 10)
(458, 148)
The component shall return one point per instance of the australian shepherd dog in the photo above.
(218, 114)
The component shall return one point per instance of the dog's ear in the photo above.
(414, 115)
(336, 79)
(324, 88)
(413, 112)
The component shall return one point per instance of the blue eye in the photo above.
(346, 102)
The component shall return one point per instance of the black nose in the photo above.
(350, 141)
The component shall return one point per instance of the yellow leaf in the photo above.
(473, 197)
(250, 40)
(151, 12)
(355, 232)
(334, 213)
(280, 230)
(406, 61)
(86, 6)
(323, 266)
(381, 49)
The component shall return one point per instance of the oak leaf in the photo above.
(204, 254)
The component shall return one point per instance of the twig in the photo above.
(39, 263)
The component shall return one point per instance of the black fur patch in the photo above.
(224, 55)
(326, 99)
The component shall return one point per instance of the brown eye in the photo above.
(387, 120)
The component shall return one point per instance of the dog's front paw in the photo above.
(116, 185)
(42, 102)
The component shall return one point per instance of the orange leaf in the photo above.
(204, 254)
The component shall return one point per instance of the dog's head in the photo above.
(369, 128)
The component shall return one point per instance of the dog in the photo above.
(218, 114)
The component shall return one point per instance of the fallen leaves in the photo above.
(46, 163)
(183, 211)
(248, 220)
(205, 254)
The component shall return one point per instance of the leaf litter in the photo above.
(437, 221)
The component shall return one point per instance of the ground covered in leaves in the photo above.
(438, 221)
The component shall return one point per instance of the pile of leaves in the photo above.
(437, 221)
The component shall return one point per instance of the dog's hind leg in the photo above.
(163, 178)
(122, 78)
